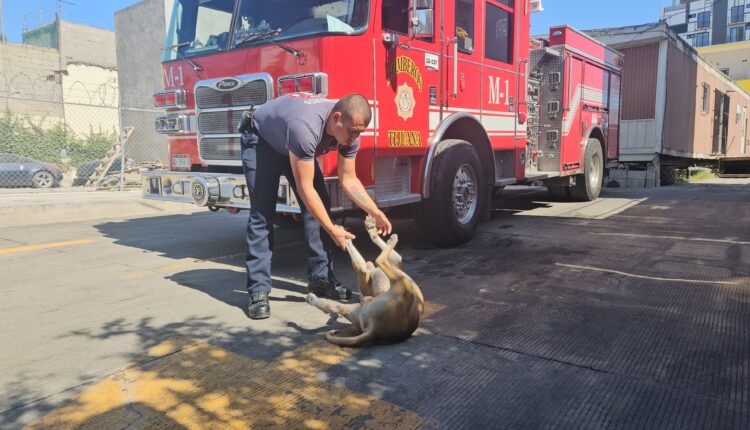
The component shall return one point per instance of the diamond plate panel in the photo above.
(393, 177)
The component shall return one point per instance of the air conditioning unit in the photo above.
(536, 6)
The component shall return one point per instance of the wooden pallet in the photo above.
(101, 171)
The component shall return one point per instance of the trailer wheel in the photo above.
(589, 183)
(450, 216)
(667, 175)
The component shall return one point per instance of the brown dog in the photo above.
(392, 303)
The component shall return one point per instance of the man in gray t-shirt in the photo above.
(284, 138)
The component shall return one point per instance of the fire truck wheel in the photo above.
(449, 217)
(561, 193)
(589, 184)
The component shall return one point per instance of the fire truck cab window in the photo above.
(198, 27)
(396, 16)
(465, 25)
(258, 19)
(499, 34)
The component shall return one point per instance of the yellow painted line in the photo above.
(195, 385)
(654, 278)
(30, 248)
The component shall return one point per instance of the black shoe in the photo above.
(258, 307)
(329, 288)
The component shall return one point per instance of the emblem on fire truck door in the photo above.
(405, 102)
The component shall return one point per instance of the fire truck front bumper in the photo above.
(211, 190)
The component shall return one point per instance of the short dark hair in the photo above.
(354, 105)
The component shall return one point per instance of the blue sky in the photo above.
(578, 13)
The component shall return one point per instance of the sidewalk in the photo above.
(23, 207)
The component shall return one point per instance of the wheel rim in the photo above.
(464, 196)
(43, 180)
(595, 170)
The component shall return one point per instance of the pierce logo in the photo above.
(227, 84)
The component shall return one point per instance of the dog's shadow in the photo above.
(335, 322)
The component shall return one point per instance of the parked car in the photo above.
(17, 171)
(85, 170)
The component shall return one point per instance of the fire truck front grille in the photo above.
(219, 122)
(251, 93)
(220, 148)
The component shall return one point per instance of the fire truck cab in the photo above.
(461, 103)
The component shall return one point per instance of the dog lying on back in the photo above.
(392, 303)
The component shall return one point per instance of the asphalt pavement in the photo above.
(628, 312)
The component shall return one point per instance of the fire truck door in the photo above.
(500, 97)
(407, 89)
(463, 57)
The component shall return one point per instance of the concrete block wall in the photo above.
(88, 45)
(29, 85)
(140, 31)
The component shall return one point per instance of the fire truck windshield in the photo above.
(198, 27)
(298, 18)
(203, 26)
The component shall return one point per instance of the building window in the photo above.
(706, 99)
(738, 14)
(701, 39)
(704, 19)
(736, 34)
(465, 25)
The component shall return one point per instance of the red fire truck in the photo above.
(464, 101)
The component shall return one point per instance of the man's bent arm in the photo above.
(353, 186)
(304, 174)
(356, 191)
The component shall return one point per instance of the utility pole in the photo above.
(3, 37)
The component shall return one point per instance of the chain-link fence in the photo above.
(57, 134)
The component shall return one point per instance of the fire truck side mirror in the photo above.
(423, 23)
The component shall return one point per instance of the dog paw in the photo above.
(311, 299)
(393, 240)
(369, 222)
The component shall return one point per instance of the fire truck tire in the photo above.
(560, 193)
(589, 183)
(450, 216)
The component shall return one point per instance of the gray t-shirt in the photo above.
(296, 122)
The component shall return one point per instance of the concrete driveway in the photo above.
(628, 312)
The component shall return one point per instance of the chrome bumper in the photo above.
(220, 190)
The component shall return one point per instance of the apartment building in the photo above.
(709, 22)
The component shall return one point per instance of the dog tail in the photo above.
(350, 341)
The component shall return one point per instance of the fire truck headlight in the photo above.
(237, 192)
(305, 84)
(316, 83)
(159, 100)
(287, 86)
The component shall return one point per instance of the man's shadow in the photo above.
(228, 286)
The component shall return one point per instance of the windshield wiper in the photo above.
(269, 35)
(181, 55)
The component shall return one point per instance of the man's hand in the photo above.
(340, 236)
(382, 224)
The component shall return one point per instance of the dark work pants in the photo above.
(263, 168)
